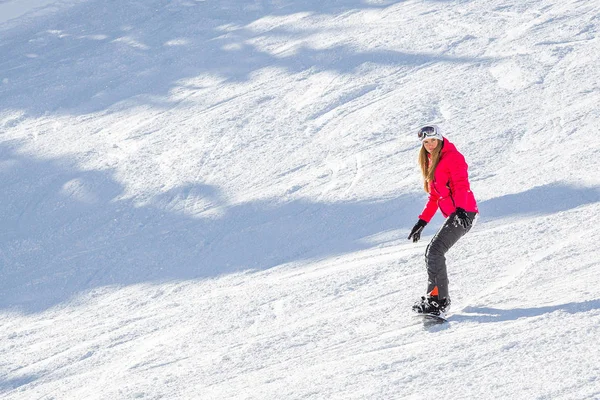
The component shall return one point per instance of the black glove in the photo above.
(462, 218)
(415, 234)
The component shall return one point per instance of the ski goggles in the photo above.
(427, 131)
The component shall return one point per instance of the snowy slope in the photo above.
(210, 199)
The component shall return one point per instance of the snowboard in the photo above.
(432, 318)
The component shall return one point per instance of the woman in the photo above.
(447, 183)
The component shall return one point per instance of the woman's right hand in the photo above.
(415, 233)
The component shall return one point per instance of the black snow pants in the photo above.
(435, 255)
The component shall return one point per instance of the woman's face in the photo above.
(430, 144)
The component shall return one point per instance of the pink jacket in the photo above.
(450, 187)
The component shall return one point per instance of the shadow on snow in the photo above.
(71, 63)
(65, 231)
(6, 385)
(485, 314)
(540, 200)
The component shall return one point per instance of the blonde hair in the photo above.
(428, 165)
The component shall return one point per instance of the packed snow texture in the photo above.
(208, 199)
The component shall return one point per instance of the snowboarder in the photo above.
(446, 181)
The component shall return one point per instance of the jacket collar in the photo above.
(447, 146)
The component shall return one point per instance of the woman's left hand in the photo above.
(462, 218)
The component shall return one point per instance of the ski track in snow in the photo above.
(210, 200)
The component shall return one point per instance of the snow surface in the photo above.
(209, 199)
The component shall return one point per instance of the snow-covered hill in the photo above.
(211, 199)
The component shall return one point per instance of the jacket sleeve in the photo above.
(459, 180)
(430, 208)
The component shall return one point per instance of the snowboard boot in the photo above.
(431, 305)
